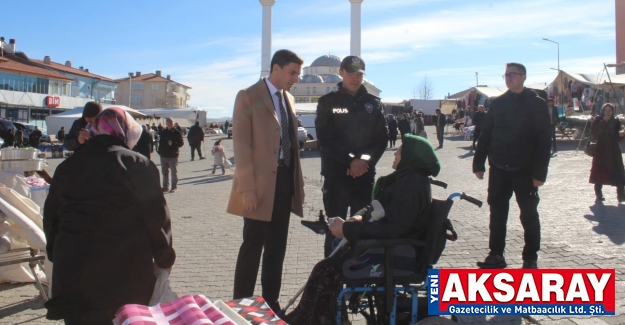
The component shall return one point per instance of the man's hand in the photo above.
(354, 219)
(358, 167)
(538, 183)
(479, 175)
(83, 136)
(250, 201)
(336, 227)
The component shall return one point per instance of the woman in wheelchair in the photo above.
(405, 196)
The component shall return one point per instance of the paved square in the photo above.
(576, 232)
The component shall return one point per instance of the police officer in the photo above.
(352, 136)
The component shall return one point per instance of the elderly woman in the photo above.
(607, 161)
(405, 196)
(107, 225)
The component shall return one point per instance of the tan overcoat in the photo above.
(256, 138)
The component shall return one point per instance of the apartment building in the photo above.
(28, 90)
(84, 84)
(151, 90)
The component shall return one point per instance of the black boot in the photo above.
(598, 192)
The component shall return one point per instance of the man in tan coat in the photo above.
(268, 183)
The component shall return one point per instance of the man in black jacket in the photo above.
(78, 134)
(441, 121)
(169, 148)
(35, 137)
(553, 119)
(352, 137)
(478, 121)
(516, 139)
(195, 138)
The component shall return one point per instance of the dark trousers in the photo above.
(440, 131)
(476, 136)
(195, 147)
(553, 136)
(501, 185)
(270, 236)
(341, 192)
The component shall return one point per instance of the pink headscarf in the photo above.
(117, 122)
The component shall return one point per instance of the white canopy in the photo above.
(67, 118)
(185, 117)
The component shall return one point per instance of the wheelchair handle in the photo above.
(471, 199)
(438, 183)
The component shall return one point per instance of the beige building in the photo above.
(151, 90)
(321, 78)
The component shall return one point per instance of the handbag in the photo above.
(162, 290)
(590, 148)
(227, 164)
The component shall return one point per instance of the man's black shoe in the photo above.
(319, 227)
(530, 265)
(493, 262)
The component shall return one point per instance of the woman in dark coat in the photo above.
(392, 130)
(406, 197)
(403, 125)
(145, 143)
(107, 225)
(607, 161)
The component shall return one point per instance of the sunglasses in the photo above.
(511, 75)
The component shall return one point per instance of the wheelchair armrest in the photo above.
(365, 244)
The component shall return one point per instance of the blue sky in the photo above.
(214, 46)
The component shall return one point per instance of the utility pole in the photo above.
(476, 82)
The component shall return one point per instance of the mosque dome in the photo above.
(332, 78)
(312, 78)
(327, 61)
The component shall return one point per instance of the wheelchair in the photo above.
(394, 298)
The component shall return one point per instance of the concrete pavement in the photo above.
(576, 232)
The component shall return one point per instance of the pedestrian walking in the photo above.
(392, 130)
(268, 184)
(168, 149)
(441, 121)
(516, 139)
(352, 138)
(553, 120)
(144, 145)
(61, 134)
(195, 138)
(219, 157)
(607, 161)
(35, 137)
(478, 120)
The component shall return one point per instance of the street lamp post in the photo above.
(559, 72)
(129, 88)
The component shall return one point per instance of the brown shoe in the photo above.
(174, 190)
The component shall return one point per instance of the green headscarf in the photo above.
(417, 155)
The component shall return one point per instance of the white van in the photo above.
(308, 122)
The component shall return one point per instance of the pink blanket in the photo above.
(182, 311)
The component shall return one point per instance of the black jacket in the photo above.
(441, 121)
(195, 136)
(71, 138)
(144, 145)
(104, 225)
(173, 150)
(60, 135)
(404, 126)
(406, 205)
(478, 119)
(9, 139)
(34, 138)
(347, 125)
(19, 137)
(555, 114)
(516, 135)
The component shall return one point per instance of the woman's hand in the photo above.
(336, 227)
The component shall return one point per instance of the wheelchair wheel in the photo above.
(435, 320)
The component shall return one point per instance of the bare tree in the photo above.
(425, 90)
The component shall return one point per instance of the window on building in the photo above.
(18, 82)
(315, 90)
(136, 99)
(137, 86)
(307, 90)
(154, 86)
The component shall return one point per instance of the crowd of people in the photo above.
(107, 197)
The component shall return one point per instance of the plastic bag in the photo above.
(162, 291)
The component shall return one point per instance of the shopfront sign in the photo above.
(53, 101)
